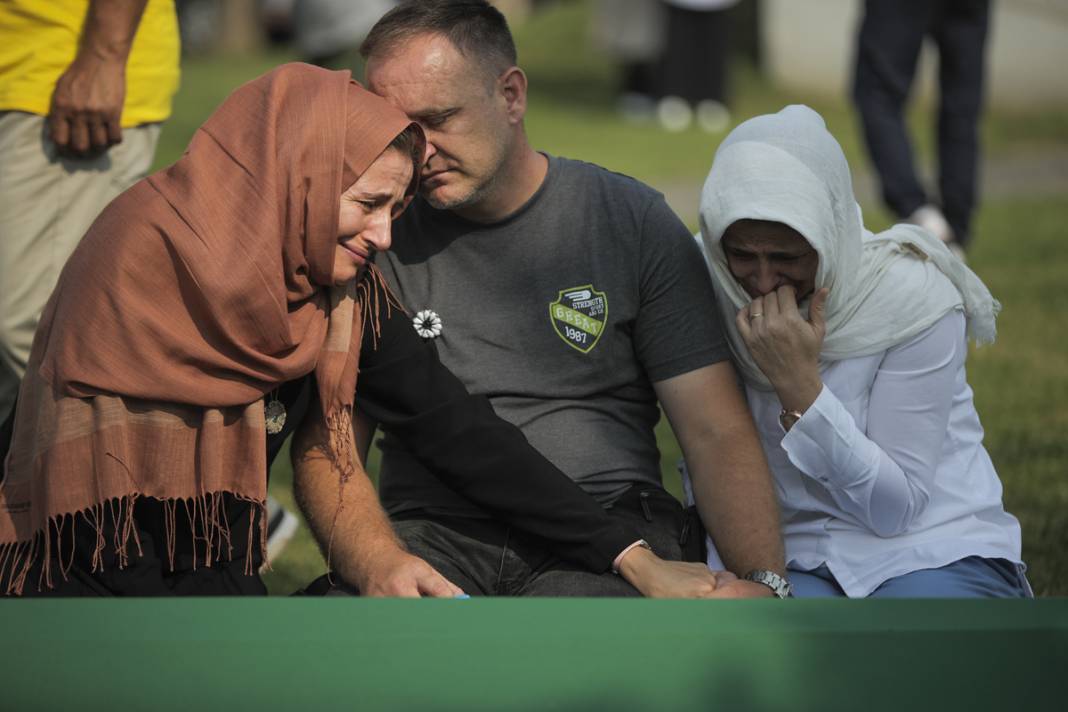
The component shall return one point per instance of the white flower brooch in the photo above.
(427, 324)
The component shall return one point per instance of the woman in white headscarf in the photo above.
(852, 348)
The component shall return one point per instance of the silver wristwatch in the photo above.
(778, 584)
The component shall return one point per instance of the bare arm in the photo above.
(87, 101)
(732, 484)
(349, 521)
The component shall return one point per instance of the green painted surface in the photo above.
(493, 654)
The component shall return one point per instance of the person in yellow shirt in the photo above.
(84, 86)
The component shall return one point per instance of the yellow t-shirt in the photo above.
(38, 40)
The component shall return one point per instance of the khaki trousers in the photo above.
(46, 204)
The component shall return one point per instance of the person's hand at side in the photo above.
(786, 346)
(86, 107)
(656, 578)
(83, 120)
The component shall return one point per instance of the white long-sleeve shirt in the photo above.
(886, 473)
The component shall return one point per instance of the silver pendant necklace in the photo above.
(274, 413)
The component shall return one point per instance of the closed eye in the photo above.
(372, 202)
(437, 120)
(396, 207)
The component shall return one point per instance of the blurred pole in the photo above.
(745, 33)
(241, 32)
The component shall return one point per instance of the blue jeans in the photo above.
(971, 577)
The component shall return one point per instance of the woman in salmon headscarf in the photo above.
(194, 295)
(206, 302)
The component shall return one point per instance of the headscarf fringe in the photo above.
(210, 531)
(372, 294)
(207, 519)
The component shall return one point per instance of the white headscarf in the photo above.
(884, 289)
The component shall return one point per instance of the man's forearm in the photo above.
(346, 519)
(728, 470)
(737, 503)
(351, 527)
(109, 29)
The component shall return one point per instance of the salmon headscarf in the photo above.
(193, 295)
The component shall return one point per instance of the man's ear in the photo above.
(513, 87)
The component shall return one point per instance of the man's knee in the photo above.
(675, 533)
(465, 561)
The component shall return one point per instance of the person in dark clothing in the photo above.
(888, 49)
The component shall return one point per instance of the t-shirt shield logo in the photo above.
(579, 315)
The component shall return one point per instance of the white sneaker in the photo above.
(636, 108)
(281, 526)
(674, 114)
(713, 116)
(933, 221)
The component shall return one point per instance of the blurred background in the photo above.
(589, 100)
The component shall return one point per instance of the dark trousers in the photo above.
(891, 35)
(487, 558)
(694, 61)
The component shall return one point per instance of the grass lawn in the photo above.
(1020, 383)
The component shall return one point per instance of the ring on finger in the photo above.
(754, 316)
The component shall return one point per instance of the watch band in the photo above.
(787, 418)
(778, 584)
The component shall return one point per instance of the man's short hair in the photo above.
(476, 28)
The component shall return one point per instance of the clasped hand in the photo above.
(657, 578)
(786, 346)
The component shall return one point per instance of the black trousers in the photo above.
(694, 61)
(888, 48)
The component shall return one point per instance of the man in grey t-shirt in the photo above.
(564, 314)
(575, 301)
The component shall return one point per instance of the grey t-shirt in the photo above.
(563, 315)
